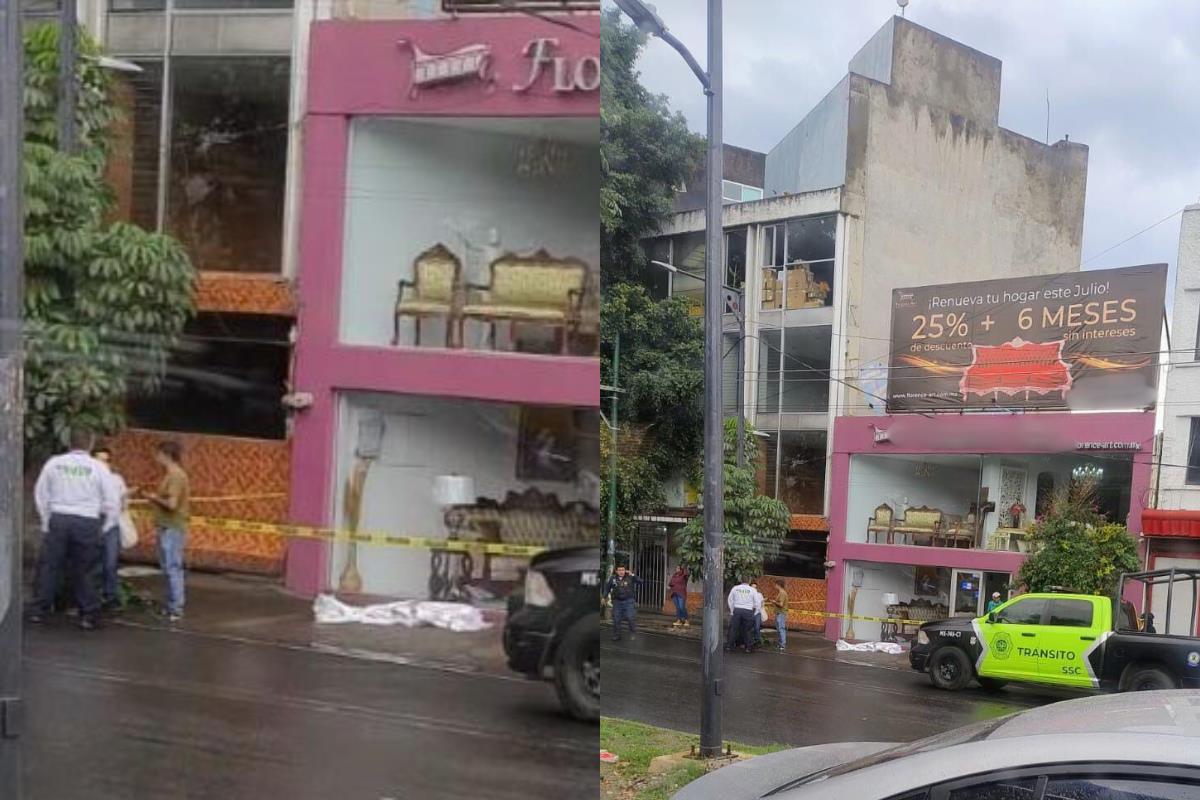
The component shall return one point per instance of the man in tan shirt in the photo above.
(780, 605)
(171, 509)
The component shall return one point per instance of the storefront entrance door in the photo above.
(966, 591)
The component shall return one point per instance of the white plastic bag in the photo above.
(129, 531)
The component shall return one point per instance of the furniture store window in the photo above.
(797, 263)
(735, 258)
(498, 212)
(463, 469)
(1193, 453)
(229, 119)
(227, 377)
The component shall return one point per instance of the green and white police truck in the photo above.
(1077, 640)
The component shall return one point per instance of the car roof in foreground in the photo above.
(1134, 728)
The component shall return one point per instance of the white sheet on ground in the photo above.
(409, 613)
(871, 647)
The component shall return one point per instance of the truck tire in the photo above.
(992, 684)
(577, 670)
(950, 669)
(1148, 679)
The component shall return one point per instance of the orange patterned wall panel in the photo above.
(248, 293)
(805, 596)
(250, 476)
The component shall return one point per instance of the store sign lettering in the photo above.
(474, 63)
(1108, 445)
(581, 76)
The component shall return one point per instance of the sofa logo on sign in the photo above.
(474, 62)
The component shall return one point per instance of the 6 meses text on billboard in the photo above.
(1079, 340)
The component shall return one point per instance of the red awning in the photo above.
(1175, 524)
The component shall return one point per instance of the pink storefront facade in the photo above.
(405, 125)
(928, 514)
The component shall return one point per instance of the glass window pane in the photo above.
(802, 471)
(119, 6)
(228, 161)
(133, 164)
(1000, 789)
(750, 193)
(1120, 788)
(658, 279)
(1193, 462)
(227, 377)
(735, 258)
(1071, 613)
(731, 191)
(236, 4)
(1023, 612)
(810, 239)
(37, 7)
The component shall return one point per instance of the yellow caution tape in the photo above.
(291, 530)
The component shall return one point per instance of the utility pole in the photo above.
(68, 57)
(714, 424)
(712, 657)
(11, 449)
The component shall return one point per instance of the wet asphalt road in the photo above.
(145, 713)
(792, 699)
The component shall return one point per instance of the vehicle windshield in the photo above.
(969, 733)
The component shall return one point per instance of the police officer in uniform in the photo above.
(72, 499)
(622, 589)
(744, 605)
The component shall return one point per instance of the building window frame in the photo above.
(1192, 476)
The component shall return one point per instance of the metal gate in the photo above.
(650, 564)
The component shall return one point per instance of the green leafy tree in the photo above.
(646, 151)
(1075, 548)
(635, 494)
(754, 524)
(104, 301)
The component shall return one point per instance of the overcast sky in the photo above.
(1123, 77)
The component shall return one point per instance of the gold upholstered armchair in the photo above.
(431, 292)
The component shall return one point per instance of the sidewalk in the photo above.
(803, 644)
(260, 610)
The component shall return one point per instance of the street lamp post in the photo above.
(714, 438)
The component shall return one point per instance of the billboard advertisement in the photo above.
(1077, 340)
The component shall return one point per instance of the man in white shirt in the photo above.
(72, 499)
(759, 614)
(110, 553)
(743, 605)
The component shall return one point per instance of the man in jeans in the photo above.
(780, 605)
(111, 539)
(678, 587)
(72, 499)
(170, 502)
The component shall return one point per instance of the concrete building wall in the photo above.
(813, 154)
(942, 193)
(741, 164)
(1183, 379)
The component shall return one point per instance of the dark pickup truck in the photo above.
(553, 627)
(1076, 640)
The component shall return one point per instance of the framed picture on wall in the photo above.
(925, 583)
(548, 447)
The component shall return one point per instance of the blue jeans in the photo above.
(111, 543)
(781, 626)
(624, 610)
(170, 558)
(680, 607)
